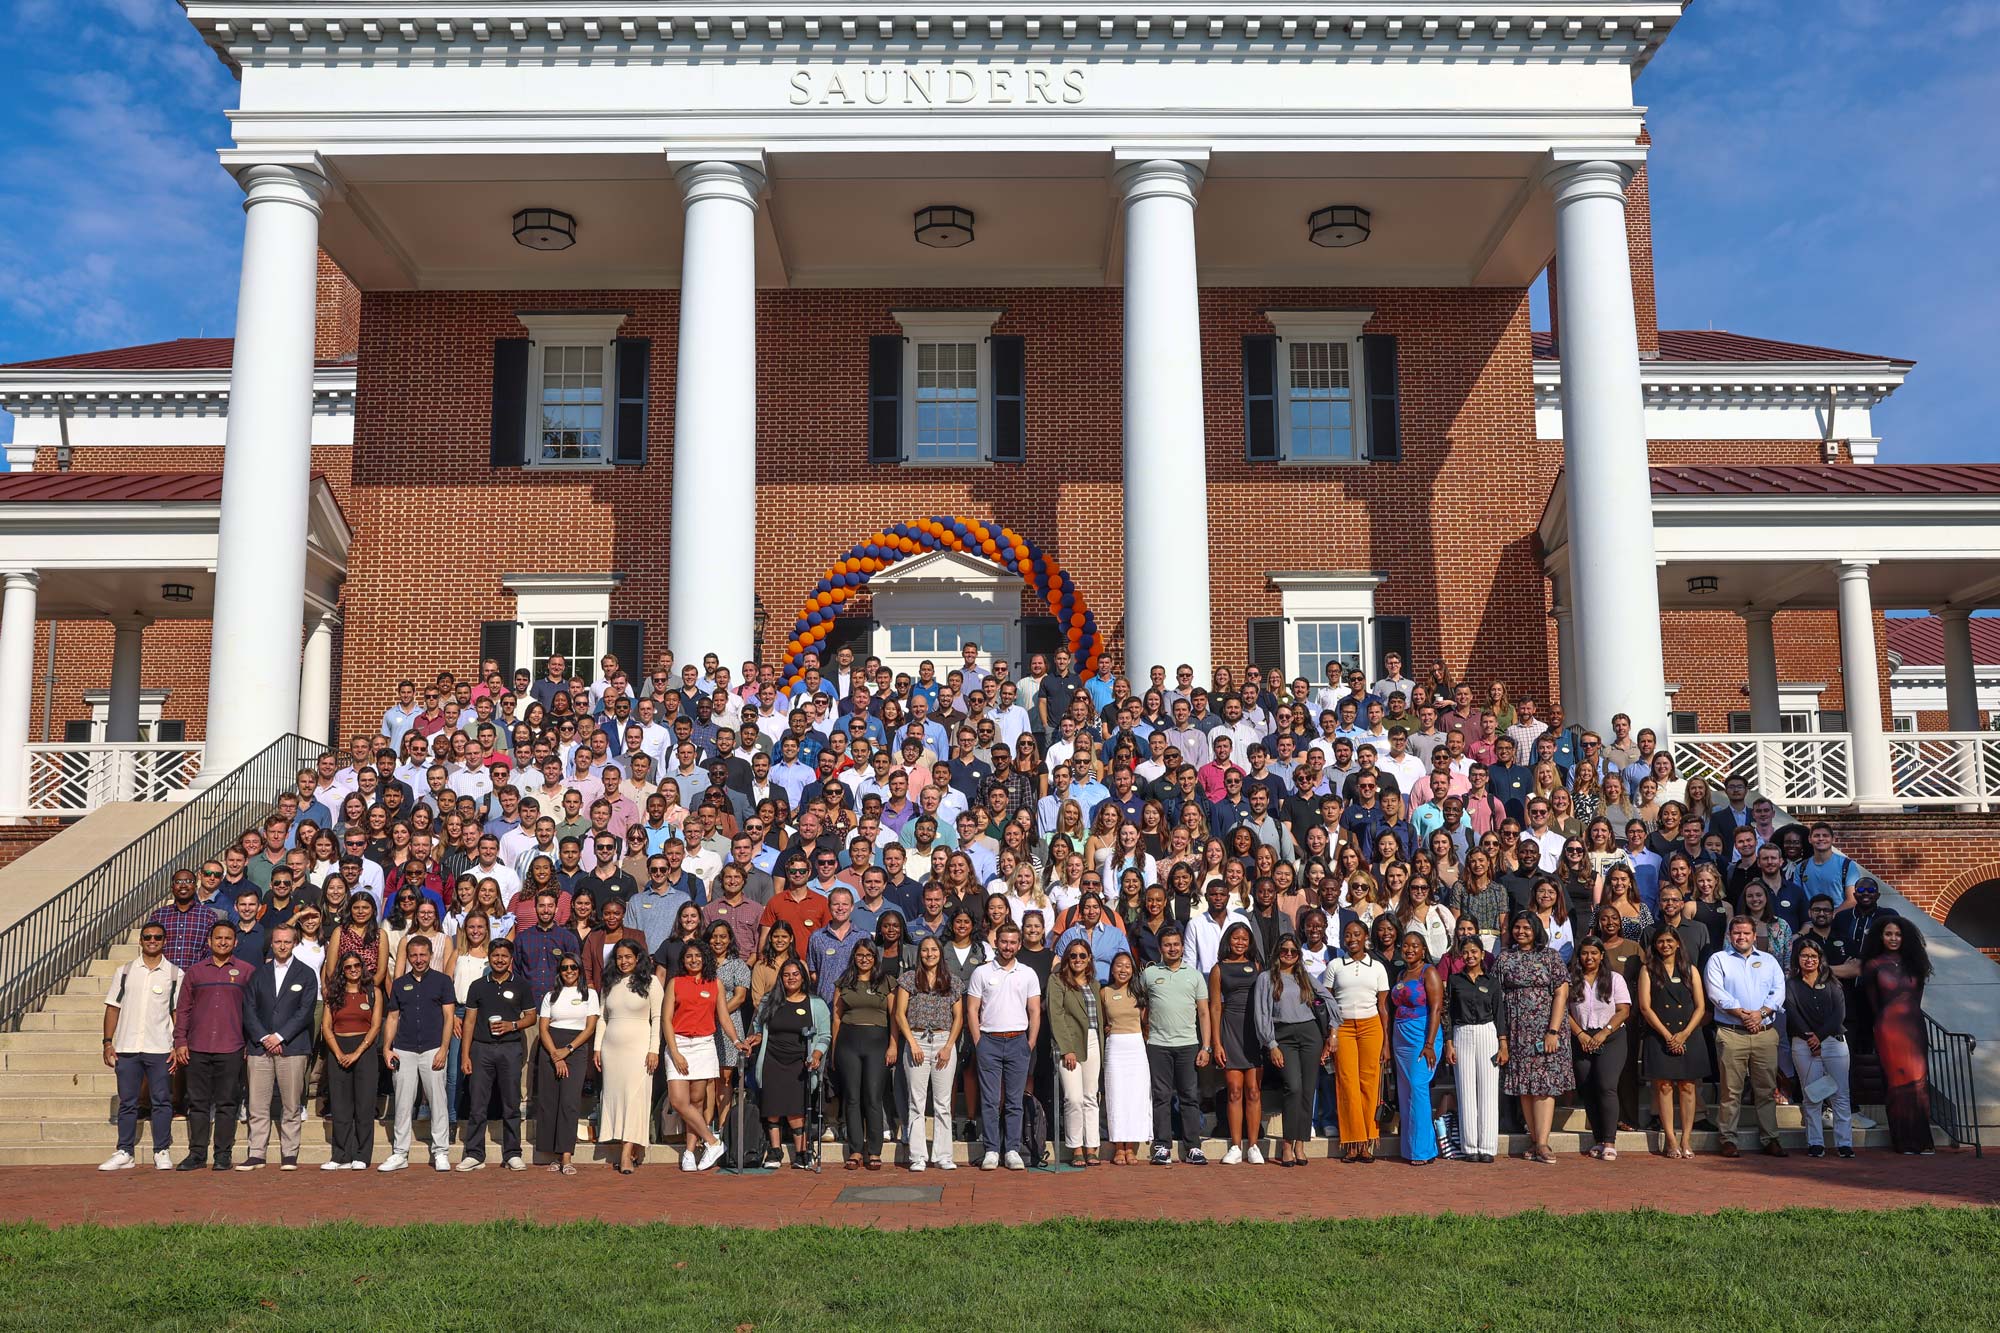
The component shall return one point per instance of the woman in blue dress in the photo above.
(1417, 1003)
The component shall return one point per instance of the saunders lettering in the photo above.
(934, 85)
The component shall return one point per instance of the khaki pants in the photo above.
(286, 1073)
(1739, 1053)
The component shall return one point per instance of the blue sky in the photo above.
(1824, 171)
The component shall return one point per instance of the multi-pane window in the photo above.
(571, 402)
(944, 639)
(1320, 397)
(1324, 641)
(578, 643)
(947, 402)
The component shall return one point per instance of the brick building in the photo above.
(1210, 323)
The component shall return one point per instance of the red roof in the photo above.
(1829, 479)
(1919, 640)
(180, 354)
(1716, 345)
(114, 487)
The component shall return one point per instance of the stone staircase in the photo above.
(58, 1100)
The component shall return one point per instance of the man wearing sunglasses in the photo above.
(139, 1045)
(795, 903)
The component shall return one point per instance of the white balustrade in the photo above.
(1955, 769)
(1798, 770)
(69, 780)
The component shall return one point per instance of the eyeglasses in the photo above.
(211, 874)
(568, 967)
(152, 939)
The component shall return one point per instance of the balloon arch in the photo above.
(1002, 545)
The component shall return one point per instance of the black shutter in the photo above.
(164, 730)
(1385, 413)
(510, 402)
(1040, 634)
(628, 426)
(1392, 635)
(626, 641)
(1260, 398)
(885, 398)
(496, 640)
(1010, 374)
(1267, 639)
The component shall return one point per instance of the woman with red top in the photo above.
(694, 1011)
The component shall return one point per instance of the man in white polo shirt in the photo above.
(1003, 1012)
(1746, 989)
(139, 1044)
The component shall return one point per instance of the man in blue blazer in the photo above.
(278, 1032)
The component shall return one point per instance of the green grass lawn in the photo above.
(1909, 1269)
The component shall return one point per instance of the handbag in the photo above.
(1821, 1088)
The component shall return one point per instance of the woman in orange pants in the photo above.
(1360, 989)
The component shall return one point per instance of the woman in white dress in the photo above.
(1128, 1081)
(627, 1054)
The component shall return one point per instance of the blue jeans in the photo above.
(149, 1071)
(1003, 1078)
(454, 1082)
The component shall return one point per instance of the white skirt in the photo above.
(1128, 1089)
(699, 1052)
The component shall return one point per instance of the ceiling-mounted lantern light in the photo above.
(1704, 585)
(1339, 226)
(544, 229)
(176, 592)
(944, 226)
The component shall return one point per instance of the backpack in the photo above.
(743, 1144)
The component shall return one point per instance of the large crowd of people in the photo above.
(1088, 918)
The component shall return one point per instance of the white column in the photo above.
(1616, 595)
(316, 678)
(260, 575)
(1859, 661)
(1761, 656)
(122, 718)
(711, 546)
(1961, 678)
(1166, 462)
(17, 683)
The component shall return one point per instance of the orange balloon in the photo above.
(1076, 619)
(792, 648)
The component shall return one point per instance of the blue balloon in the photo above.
(799, 627)
(823, 585)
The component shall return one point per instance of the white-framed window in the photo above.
(151, 704)
(1318, 642)
(1903, 722)
(1321, 390)
(1329, 616)
(561, 613)
(572, 387)
(947, 386)
(947, 639)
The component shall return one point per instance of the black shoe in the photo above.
(192, 1162)
(222, 1161)
(1843, 1152)
(1815, 1150)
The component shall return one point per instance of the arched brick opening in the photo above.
(1970, 906)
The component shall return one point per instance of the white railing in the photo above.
(1956, 769)
(74, 779)
(1798, 770)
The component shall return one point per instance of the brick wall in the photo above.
(337, 326)
(1931, 859)
(1467, 575)
(18, 840)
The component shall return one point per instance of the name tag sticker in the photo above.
(506, 995)
(232, 974)
(158, 989)
(365, 1004)
(1756, 962)
(800, 1012)
(298, 986)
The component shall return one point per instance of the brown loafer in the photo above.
(1729, 1149)
(1775, 1149)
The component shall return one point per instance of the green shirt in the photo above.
(1172, 996)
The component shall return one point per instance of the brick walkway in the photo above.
(61, 1195)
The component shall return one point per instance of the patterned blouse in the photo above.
(929, 1012)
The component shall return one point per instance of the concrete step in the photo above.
(76, 1041)
(58, 1061)
(97, 1079)
(85, 1021)
(57, 1105)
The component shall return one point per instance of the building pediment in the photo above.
(945, 570)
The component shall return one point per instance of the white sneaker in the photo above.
(1234, 1157)
(1255, 1156)
(990, 1162)
(946, 1164)
(1014, 1162)
(918, 1164)
(396, 1162)
(472, 1163)
(688, 1160)
(440, 1161)
(333, 1166)
(515, 1163)
(163, 1160)
(710, 1155)
(357, 1166)
(118, 1161)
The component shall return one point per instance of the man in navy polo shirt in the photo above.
(419, 1028)
(499, 1007)
(1509, 781)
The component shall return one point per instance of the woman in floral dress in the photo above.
(1534, 1043)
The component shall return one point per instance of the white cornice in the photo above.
(246, 31)
(89, 393)
(1747, 383)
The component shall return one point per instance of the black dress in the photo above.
(1240, 1047)
(1673, 1004)
(783, 1092)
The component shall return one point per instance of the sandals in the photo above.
(567, 1168)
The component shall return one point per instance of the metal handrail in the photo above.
(55, 941)
(1954, 1099)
